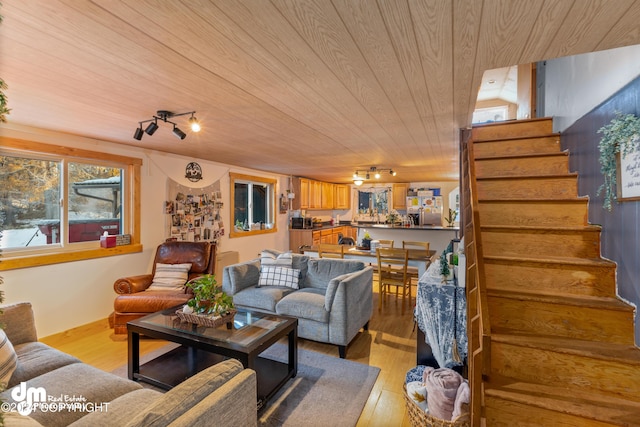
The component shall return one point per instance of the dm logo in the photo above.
(28, 398)
(193, 172)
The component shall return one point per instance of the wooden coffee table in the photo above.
(251, 333)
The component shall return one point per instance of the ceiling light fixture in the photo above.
(373, 170)
(138, 133)
(164, 116)
(178, 132)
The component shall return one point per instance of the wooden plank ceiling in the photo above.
(313, 88)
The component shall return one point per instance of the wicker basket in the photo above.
(206, 320)
(420, 418)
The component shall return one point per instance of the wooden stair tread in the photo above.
(577, 200)
(553, 260)
(523, 156)
(627, 354)
(515, 138)
(587, 301)
(585, 228)
(530, 177)
(593, 406)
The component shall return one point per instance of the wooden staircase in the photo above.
(551, 344)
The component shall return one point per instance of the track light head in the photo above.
(392, 172)
(194, 123)
(177, 132)
(138, 133)
(153, 126)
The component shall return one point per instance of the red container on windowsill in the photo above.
(107, 241)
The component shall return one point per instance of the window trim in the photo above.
(132, 206)
(233, 177)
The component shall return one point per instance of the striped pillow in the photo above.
(8, 359)
(170, 277)
(270, 258)
(279, 276)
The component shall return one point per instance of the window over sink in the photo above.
(373, 200)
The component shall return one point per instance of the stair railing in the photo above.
(478, 325)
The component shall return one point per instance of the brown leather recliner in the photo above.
(134, 300)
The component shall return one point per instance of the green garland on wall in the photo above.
(620, 136)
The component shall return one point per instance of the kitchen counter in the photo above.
(399, 227)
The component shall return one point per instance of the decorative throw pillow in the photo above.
(170, 277)
(8, 358)
(279, 276)
(270, 258)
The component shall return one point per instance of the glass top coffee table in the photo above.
(245, 339)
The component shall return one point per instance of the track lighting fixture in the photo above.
(359, 178)
(153, 126)
(164, 115)
(194, 123)
(177, 132)
(138, 133)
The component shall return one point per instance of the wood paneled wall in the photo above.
(621, 226)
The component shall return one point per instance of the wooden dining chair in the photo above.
(392, 266)
(382, 243)
(328, 250)
(408, 244)
(385, 243)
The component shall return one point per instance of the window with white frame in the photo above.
(253, 205)
(54, 201)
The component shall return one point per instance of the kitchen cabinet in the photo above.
(306, 237)
(342, 199)
(301, 190)
(327, 195)
(315, 194)
(311, 194)
(399, 198)
(298, 238)
(304, 193)
(326, 236)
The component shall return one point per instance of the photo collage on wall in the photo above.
(194, 214)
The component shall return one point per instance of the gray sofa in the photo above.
(225, 392)
(334, 299)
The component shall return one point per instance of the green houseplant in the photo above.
(620, 136)
(208, 297)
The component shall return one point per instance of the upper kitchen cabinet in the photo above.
(327, 195)
(311, 194)
(301, 187)
(342, 198)
(315, 194)
(399, 200)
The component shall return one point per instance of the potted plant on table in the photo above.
(366, 240)
(209, 306)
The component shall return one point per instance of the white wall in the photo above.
(574, 85)
(75, 293)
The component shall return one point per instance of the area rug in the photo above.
(328, 391)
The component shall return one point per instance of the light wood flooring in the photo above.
(390, 344)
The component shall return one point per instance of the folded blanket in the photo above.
(461, 405)
(417, 391)
(442, 389)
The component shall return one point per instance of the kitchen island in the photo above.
(437, 236)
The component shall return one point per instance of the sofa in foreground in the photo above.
(331, 298)
(86, 396)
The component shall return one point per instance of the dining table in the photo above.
(418, 258)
